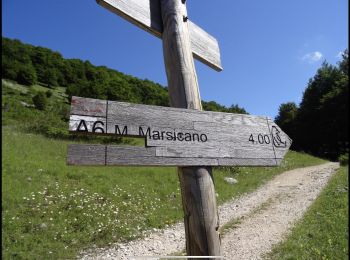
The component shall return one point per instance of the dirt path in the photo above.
(265, 217)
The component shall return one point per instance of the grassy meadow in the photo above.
(323, 233)
(52, 211)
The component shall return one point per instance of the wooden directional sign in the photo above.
(174, 136)
(147, 15)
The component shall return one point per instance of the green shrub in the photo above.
(61, 110)
(40, 101)
(344, 159)
(32, 91)
(55, 132)
(48, 93)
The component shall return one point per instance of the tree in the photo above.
(285, 119)
(236, 109)
(40, 101)
(26, 75)
(344, 63)
(9, 69)
(120, 90)
(213, 106)
(50, 78)
(287, 113)
(320, 125)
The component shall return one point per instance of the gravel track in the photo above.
(265, 217)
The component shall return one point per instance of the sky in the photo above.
(269, 49)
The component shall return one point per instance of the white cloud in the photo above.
(312, 57)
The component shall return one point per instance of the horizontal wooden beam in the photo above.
(146, 15)
(176, 136)
(98, 155)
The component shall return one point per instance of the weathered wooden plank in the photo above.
(205, 47)
(86, 154)
(143, 13)
(238, 136)
(248, 162)
(172, 117)
(82, 154)
(146, 14)
(215, 152)
(168, 116)
(229, 119)
(281, 141)
(160, 136)
(184, 133)
(126, 113)
(87, 124)
(128, 152)
(88, 107)
(159, 161)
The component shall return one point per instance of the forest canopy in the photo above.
(28, 65)
(320, 124)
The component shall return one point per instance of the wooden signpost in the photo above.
(147, 15)
(174, 136)
(183, 135)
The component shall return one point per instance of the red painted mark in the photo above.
(100, 110)
(76, 102)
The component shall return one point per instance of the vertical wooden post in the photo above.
(197, 185)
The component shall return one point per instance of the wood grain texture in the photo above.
(182, 85)
(88, 107)
(185, 133)
(146, 14)
(201, 215)
(197, 185)
(83, 154)
(86, 155)
(82, 123)
(143, 13)
(205, 47)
